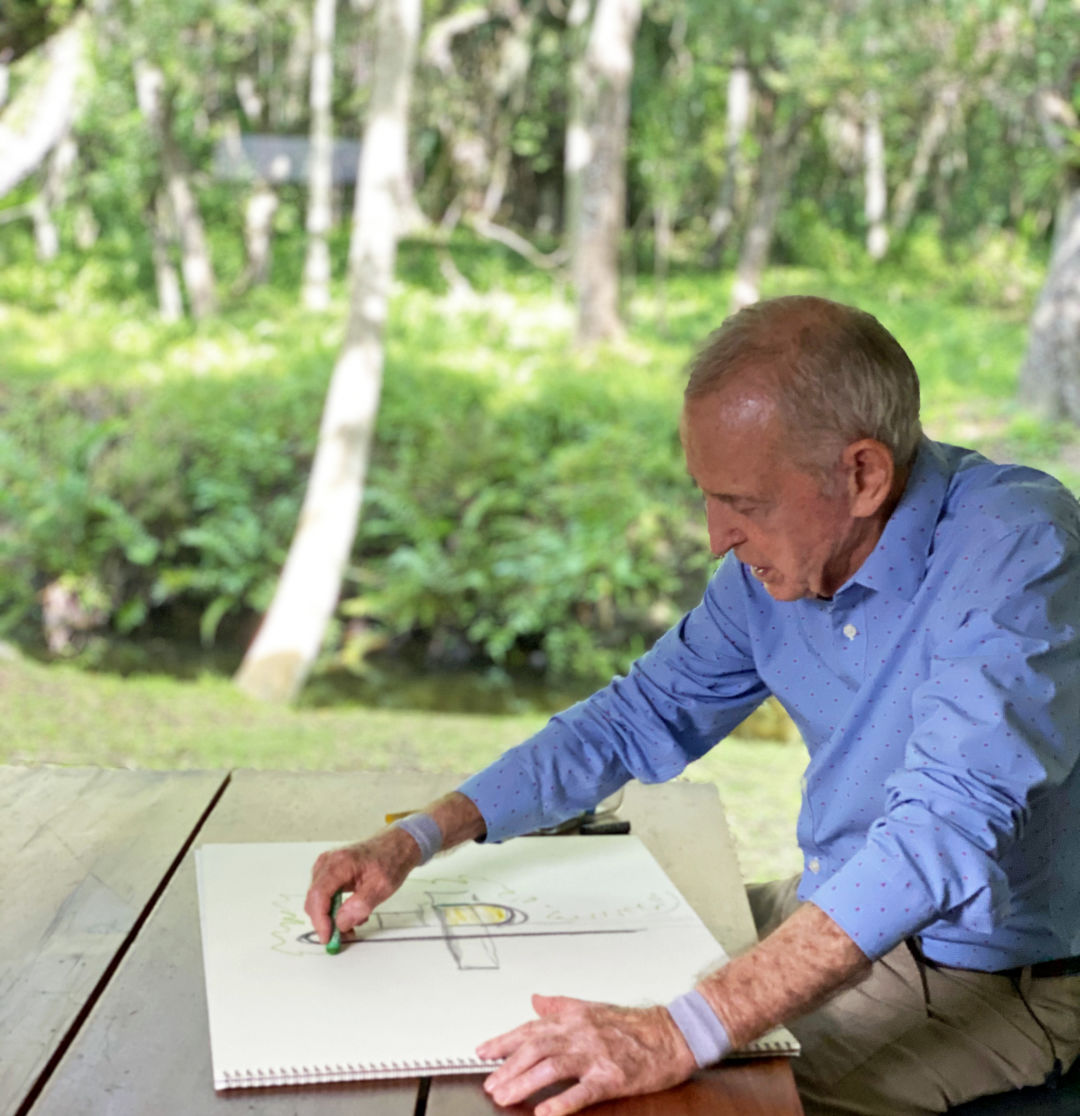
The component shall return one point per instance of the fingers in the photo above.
(553, 1005)
(331, 872)
(502, 1046)
(372, 870)
(525, 1073)
(569, 1100)
(608, 1051)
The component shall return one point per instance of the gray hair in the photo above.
(836, 374)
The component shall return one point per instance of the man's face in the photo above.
(792, 528)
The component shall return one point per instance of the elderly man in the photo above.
(915, 608)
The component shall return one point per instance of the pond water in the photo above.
(400, 681)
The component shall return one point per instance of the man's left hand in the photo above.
(606, 1051)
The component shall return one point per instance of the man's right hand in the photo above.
(372, 870)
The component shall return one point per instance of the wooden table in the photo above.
(102, 1002)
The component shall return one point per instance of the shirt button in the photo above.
(850, 631)
(814, 865)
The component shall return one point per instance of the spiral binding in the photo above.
(434, 1067)
(317, 1075)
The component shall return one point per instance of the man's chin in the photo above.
(779, 590)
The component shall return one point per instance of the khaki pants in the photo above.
(914, 1037)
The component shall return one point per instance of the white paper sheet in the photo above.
(450, 960)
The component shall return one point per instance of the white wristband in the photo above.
(425, 831)
(706, 1036)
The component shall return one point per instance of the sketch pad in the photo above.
(448, 961)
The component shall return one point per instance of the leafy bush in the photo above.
(524, 503)
(533, 509)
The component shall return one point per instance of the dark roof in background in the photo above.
(277, 159)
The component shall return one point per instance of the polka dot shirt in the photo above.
(938, 694)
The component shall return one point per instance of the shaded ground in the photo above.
(59, 714)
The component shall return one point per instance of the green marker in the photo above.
(334, 945)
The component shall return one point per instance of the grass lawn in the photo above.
(67, 716)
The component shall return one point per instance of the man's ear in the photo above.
(870, 471)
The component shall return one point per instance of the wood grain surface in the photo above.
(684, 827)
(82, 851)
(759, 1088)
(145, 1047)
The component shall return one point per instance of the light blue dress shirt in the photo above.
(938, 693)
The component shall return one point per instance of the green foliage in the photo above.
(524, 504)
(518, 504)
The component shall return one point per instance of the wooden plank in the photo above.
(82, 851)
(684, 827)
(761, 1088)
(146, 1047)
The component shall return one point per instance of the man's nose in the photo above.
(723, 533)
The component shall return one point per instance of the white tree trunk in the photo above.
(740, 101)
(876, 190)
(576, 149)
(936, 126)
(51, 111)
(606, 73)
(195, 262)
(46, 235)
(316, 288)
(53, 192)
(282, 654)
(259, 212)
(162, 241)
(1050, 374)
(287, 97)
(779, 160)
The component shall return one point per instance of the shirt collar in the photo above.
(897, 565)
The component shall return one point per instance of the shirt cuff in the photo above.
(506, 797)
(875, 901)
(706, 1036)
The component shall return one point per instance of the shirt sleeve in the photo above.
(695, 685)
(994, 727)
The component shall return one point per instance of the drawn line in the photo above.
(311, 940)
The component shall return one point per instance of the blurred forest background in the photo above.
(218, 238)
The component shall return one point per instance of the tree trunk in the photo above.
(155, 104)
(606, 72)
(576, 149)
(282, 654)
(46, 236)
(779, 160)
(51, 111)
(287, 97)
(663, 239)
(52, 194)
(515, 56)
(162, 241)
(316, 291)
(195, 263)
(876, 199)
(259, 212)
(934, 129)
(732, 188)
(1050, 375)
